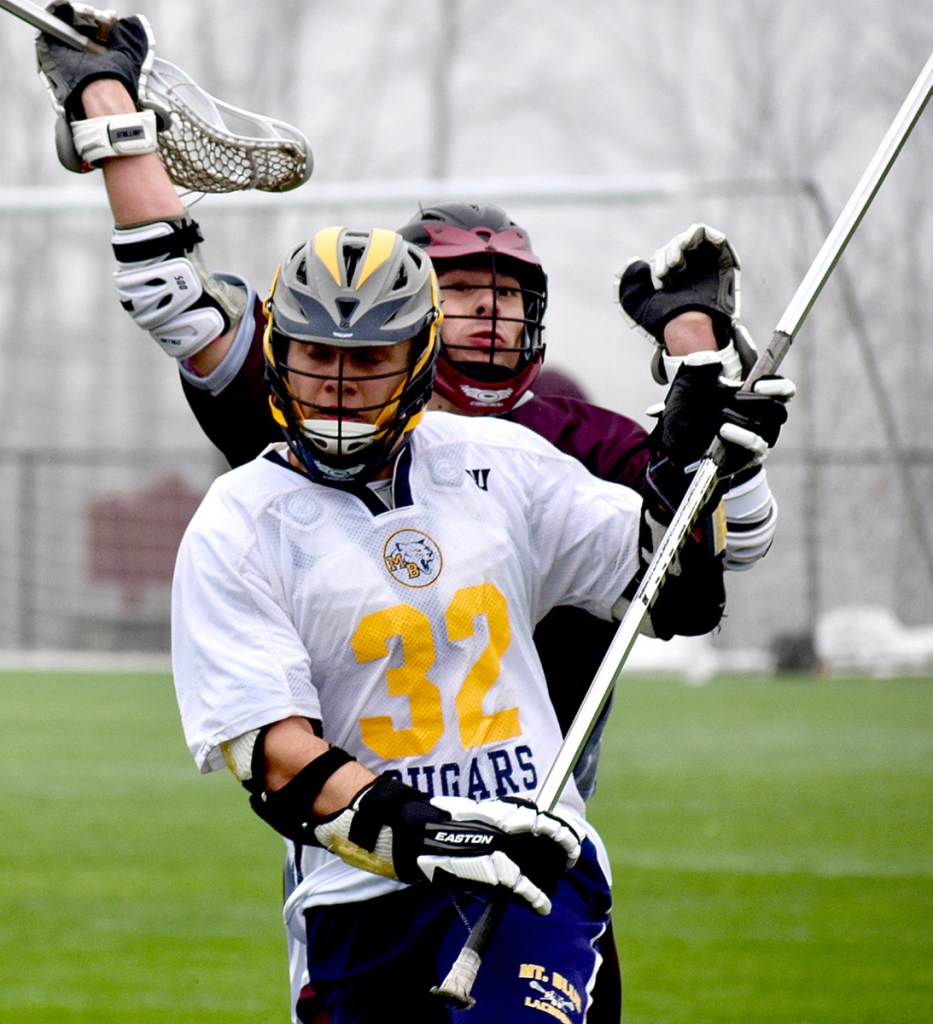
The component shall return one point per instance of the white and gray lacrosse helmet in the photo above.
(347, 289)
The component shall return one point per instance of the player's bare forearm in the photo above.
(138, 187)
(292, 744)
(690, 332)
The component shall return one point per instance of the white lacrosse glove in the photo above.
(698, 269)
(394, 830)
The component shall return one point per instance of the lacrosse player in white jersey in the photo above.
(352, 636)
(353, 611)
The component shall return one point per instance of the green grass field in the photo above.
(771, 839)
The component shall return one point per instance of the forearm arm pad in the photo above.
(288, 810)
(165, 287)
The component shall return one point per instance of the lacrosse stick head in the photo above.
(210, 146)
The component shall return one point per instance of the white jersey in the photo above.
(407, 631)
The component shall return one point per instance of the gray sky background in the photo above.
(719, 100)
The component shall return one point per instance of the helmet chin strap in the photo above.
(338, 437)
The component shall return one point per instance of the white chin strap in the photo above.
(339, 437)
(728, 356)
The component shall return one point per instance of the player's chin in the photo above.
(499, 355)
(475, 354)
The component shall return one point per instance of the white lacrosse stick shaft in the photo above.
(41, 19)
(456, 987)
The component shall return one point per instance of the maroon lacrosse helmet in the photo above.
(469, 235)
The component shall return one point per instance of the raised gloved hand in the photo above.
(692, 258)
(698, 269)
(130, 49)
(391, 829)
(701, 405)
(82, 143)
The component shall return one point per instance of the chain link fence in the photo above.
(101, 462)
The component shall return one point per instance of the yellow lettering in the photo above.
(389, 736)
(409, 680)
(548, 1008)
(534, 971)
(478, 728)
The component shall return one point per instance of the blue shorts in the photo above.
(377, 961)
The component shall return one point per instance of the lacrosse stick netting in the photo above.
(205, 144)
(210, 146)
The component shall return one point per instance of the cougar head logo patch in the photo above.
(412, 558)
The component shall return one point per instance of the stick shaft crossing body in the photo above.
(456, 987)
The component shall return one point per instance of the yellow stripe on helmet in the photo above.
(325, 248)
(267, 313)
(277, 414)
(391, 407)
(381, 247)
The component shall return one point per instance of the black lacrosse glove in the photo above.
(392, 829)
(701, 406)
(697, 270)
(67, 71)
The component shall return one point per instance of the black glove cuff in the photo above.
(406, 811)
(692, 414)
(692, 602)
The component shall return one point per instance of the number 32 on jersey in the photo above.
(410, 679)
